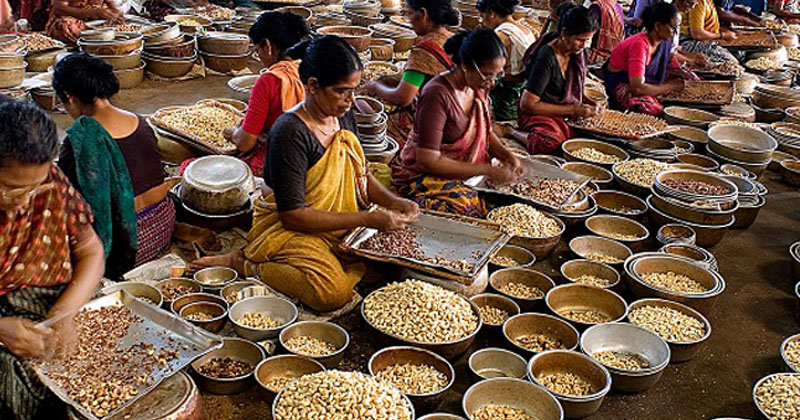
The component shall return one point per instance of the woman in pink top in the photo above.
(638, 69)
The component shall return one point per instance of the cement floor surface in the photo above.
(749, 321)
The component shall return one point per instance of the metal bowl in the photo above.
(169, 67)
(570, 146)
(694, 135)
(683, 211)
(704, 162)
(683, 351)
(276, 308)
(517, 393)
(544, 246)
(790, 172)
(755, 168)
(236, 349)
(661, 263)
(225, 63)
(242, 85)
(746, 215)
(535, 323)
(522, 256)
(568, 361)
(190, 298)
(215, 278)
(177, 281)
(581, 297)
(495, 362)
(628, 338)
(676, 233)
(525, 276)
(138, 290)
(214, 324)
(794, 252)
(573, 269)
(759, 383)
(285, 365)
(777, 158)
(608, 226)
(496, 301)
(784, 345)
(440, 416)
(707, 235)
(230, 292)
(692, 252)
(356, 36)
(390, 356)
(620, 204)
(583, 246)
(678, 115)
(321, 330)
(741, 143)
(600, 176)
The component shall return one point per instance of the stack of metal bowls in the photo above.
(694, 252)
(676, 233)
(639, 265)
(750, 201)
(679, 115)
(654, 148)
(747, 147)
(788, 137)
(709, 216)
(378, 147)
(794, 251)
(772, 96)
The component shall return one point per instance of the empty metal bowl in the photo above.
(679, 351)
(230, 292)
(321, 330)
(390, 356)
(214, 324)
(578, 297)
(215, 278)
(573, 269)
(585, 246)
(525, 276)
(527, 324)
(496, 301)
(628, 338)
(793, 339)
(286, 366)
(142, 291)
(236, 349)
(184, 300)
(276, 308)
(620, 203)
(495, 362)
(165, 285)
(517, 393)
(619, 228)
(567, 361)
(520, 255)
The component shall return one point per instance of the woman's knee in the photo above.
(329, 299)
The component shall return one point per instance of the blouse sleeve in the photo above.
(287, 162)
(541, 73)
(266, 90)
(637, 58)
(430, 117)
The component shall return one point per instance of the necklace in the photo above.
(319, 126)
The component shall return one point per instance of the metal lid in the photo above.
(216, 173)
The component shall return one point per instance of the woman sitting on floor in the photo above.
(68, 17)
(611, 29)
(637, 71)
(276, 91)
(701, 32)
(318, 172)
(429, 19)
(787, 10)
(111, 156)
(452, 138)
(51, 261)
(556, 76)
(516, 37)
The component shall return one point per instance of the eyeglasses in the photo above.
(344, 92)
(497, 77)
(18, 194)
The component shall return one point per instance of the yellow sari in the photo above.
(303, 265)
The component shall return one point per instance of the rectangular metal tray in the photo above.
(533, 169)
(450, 237)
(155, 322)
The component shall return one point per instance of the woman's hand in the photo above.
(21, 337)
(698, 59)
(405, 206)
(389, 220)
(106, 14)
(65, 337)
(728, 35)
(501, 174)
(585, 111)
(676, 85)
(371, 88)
(228, 134)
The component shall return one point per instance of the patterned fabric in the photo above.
(67, 28)
(520, 41)
(36, 241)
(711, 49)
(545, 134)
(22, 395)
(612, 30)
(622, 98)
(154, 227)
(447, 195)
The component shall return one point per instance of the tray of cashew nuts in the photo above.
(702, 92)
(621, 125)
(201, 124)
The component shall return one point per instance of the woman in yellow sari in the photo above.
(321, 187)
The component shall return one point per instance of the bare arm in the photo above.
(309, 220)
(736, 18)
(402, 94)
(641, 88)
(777, 9)
(435, 163)
(89, 263)
(532, 104)
(701, 34)
(243, 140)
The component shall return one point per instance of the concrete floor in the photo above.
(749, 322)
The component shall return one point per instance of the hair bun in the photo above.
(298, 51)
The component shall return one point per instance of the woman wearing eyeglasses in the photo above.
(321, 187)
(638, 69)
(51, 260)
(452, 138)
(556, 75)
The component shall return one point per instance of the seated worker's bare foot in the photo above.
(234, 260)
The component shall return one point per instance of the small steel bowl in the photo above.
(676, 233)
(784, 345)
(614, 202)
(679, 352)
(230, 292)
(495, 362)
(535, 323)
(607, 226)
(600, 176)
(285, 365)
(573, 269)
(236, 349)
(175, 281)
(705, 162)
(440, 416)
(761, 382)
(578, 296)
(495, 301)
(184, 300)
(628, 338)
(390, 356)
(522, 256)
(573, 362)
(321, 330)
(583, 246)
(276, 308)
(214, 324)
(215, 278)
(138, 290)
(525, 276)
(535, 400)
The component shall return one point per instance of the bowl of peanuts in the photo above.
(524, 286)
(322, 341)
(576, 380)
(260, 318)
(510, 398)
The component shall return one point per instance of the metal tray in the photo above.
(451, 237)
(533, 170)
(154, 323)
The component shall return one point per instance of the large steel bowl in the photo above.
(741, 143)
(679, 351)
(584, 246)
(495, 362)
(707, 235)
(619, 203)
(516, 393)
(495, 301)
(573, 269)
(609, 226)
(276, 308)
(284, 365)
(789, 340)
(569, 297)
